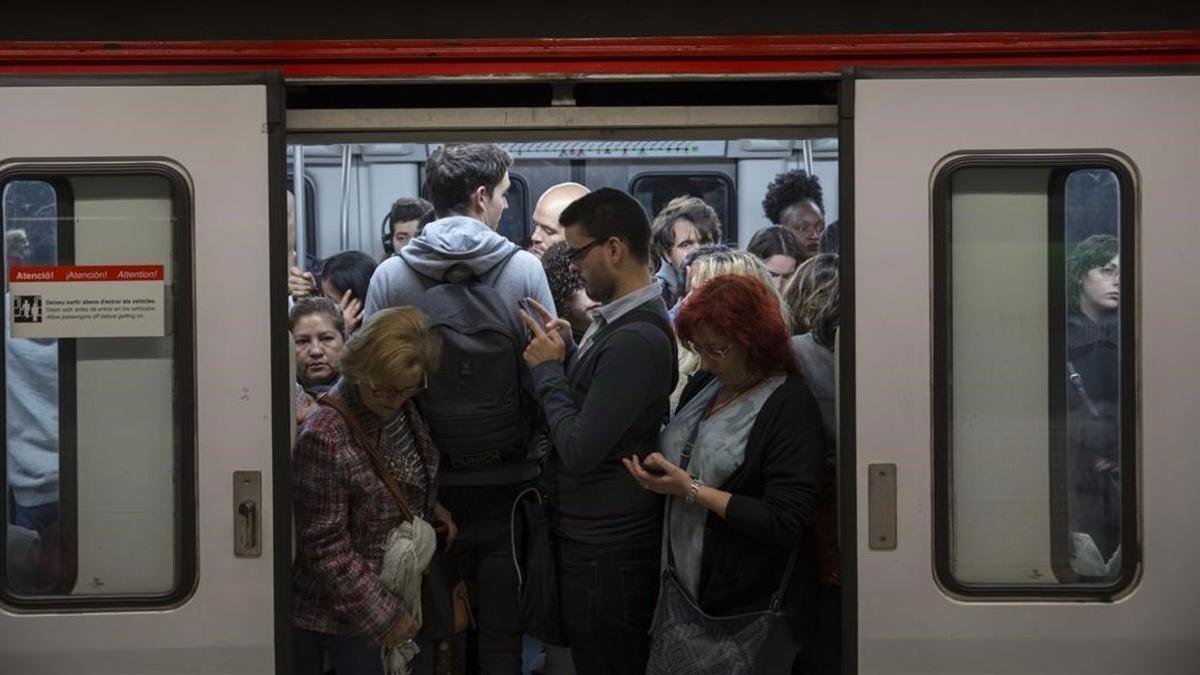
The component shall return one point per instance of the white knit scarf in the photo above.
(406, 556)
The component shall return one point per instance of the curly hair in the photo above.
(812, 297)
(1095, 251)
(788, 188)
(741, 308)
(562, 276)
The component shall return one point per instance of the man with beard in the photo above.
(604, 401)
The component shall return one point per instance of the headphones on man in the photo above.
(389, 246)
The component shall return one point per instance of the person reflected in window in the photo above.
(744, 497)
(796, 201)
(1093, 398)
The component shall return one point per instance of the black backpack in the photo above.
(477, 406)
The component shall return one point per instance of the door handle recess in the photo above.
(247, 495)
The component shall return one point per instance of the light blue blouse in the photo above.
(719, 450)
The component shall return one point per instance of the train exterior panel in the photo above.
(949, 185)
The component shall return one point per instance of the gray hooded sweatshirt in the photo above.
(443, 244)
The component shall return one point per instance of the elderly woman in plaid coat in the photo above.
(344, 510)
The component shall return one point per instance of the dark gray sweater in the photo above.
(610, 404)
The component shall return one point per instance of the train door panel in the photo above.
(138, 416)
(1023, 314)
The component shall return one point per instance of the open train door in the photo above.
(145, 416)
(1019, 409)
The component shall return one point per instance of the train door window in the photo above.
(514, 224)
(1034, 377)
(99, 412)
(654, 190)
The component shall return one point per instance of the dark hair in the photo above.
(611, 213)
(744, 309)
(692, 209)
(454, 171)
(1095, 251)
(402, 211)
(349, 271)
(790, 188)
(409, 208)
(562, 275)
(425, 220)
(812, 297)
(830, 240)
(316, 304)
(773, 241)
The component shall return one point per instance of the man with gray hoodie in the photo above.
(467, 185)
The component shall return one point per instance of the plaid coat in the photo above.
(344, 513)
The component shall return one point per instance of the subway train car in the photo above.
(966, 153)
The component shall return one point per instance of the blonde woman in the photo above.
(345, 510)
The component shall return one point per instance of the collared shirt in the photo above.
(615, 310)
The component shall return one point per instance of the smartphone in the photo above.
(533, 313)
(653, 469)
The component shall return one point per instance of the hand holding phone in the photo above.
(528, 308)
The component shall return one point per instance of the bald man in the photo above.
(546, 229)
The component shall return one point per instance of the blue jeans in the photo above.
(347, 655)
(608, 593)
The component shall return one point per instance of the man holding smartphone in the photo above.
(605, 400)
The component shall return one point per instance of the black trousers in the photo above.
(483, 555)
(608, 597)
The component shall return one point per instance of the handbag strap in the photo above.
(685, 458)
(372, 451)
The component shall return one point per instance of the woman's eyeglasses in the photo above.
(392, 393)
(712, 352)
(1110, 271)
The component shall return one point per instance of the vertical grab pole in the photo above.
(346, 158)
(299, 197)
(808, 158)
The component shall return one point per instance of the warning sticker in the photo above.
(87, 301)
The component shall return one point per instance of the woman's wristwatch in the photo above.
(692, 491)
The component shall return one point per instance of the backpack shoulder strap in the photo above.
(372, 451)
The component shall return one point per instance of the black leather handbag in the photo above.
(537, 568)
(687, 641)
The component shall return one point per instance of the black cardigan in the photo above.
(774, 498)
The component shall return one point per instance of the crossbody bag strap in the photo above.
(372, 451)
(685, 459)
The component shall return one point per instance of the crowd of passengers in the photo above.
(670, 397)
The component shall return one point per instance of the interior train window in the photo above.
(654, 190)
(99, 487)
(514, 224)
(310, 211)
(1034, 434)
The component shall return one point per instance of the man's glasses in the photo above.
(577, 254)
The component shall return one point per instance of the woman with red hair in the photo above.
(741, 461)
